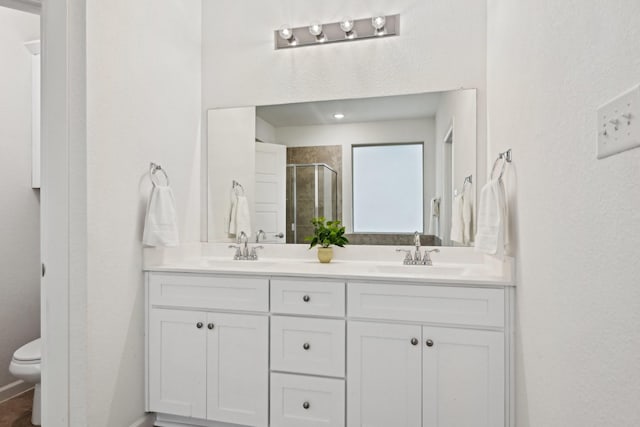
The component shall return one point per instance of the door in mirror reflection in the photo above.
(388, 188)
(271, 160)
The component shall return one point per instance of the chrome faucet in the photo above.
(243, 240)
(417, 258)
(426, 259)
(416, 242)
(260, 233)
(242, 248)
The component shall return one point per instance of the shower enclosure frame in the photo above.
(316, 167)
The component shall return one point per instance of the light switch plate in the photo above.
(619, 124)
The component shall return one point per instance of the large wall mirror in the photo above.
(386, 167)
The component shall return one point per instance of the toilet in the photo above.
(25, 365)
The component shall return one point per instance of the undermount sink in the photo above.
(419, 269)
(233, 263)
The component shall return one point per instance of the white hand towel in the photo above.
(457, 224)
(243, 216)
(161, 224)
(490, 237)
(233, 209)
(467, 215)
(434, 218)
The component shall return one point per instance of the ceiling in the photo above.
(401, 107)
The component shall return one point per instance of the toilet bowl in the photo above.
(25, 365)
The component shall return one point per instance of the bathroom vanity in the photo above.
(292, 343)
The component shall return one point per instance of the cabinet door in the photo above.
(177, 362)
(384, 381)
(463, 378)
(238, 369)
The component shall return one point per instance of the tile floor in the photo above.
(16, 412)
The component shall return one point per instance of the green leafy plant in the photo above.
(326, 235)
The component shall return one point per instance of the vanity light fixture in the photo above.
(378, 26)
(378, 23)
(315, 30)
(286, 34)
(338, 116)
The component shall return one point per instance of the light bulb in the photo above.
(338, 116)
(378, 25)
(378, 22)
(286, 33)
(315, 29)
(347, 27)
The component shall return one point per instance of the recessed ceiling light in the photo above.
(338, 116)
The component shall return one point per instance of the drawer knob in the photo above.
(210, 326)
(199, 325)
(306, 346)
(429, 343)
(414, 341)
(306, 298)
(306, 405)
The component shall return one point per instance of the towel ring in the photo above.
(235, 185)
(153, 169)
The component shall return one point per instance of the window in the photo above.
(388, 188)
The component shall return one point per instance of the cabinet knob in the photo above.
(306, 346)
(306, 405)
(199, 325)
(306, 298)
(429, 343)
(414, 341)
(210, 326)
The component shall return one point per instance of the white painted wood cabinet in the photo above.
(177, 362)
(207, 365)
(412, 376)
(416, 355)
(384, 383)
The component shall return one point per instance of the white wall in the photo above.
(442, 46)
(576, 219)
(348, 134)
(143, 105)
(20, 206)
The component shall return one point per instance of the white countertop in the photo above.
(443, 273)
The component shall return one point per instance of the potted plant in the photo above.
(326, 235)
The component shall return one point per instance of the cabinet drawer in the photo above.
(298, 401)
(308, 346)
(438, 304)
(204, 291)
(321, 298)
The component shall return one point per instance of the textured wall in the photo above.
(576, 219)
(143, 105)
(20, 207)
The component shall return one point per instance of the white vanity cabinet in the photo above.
(428, 368)
(204, 364)
(249, 351)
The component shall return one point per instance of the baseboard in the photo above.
(145, 421)
(13, 389)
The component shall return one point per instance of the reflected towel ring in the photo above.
(505, 156)
(237, 188)
(153, 168)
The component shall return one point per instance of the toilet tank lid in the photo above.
(29, 352)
